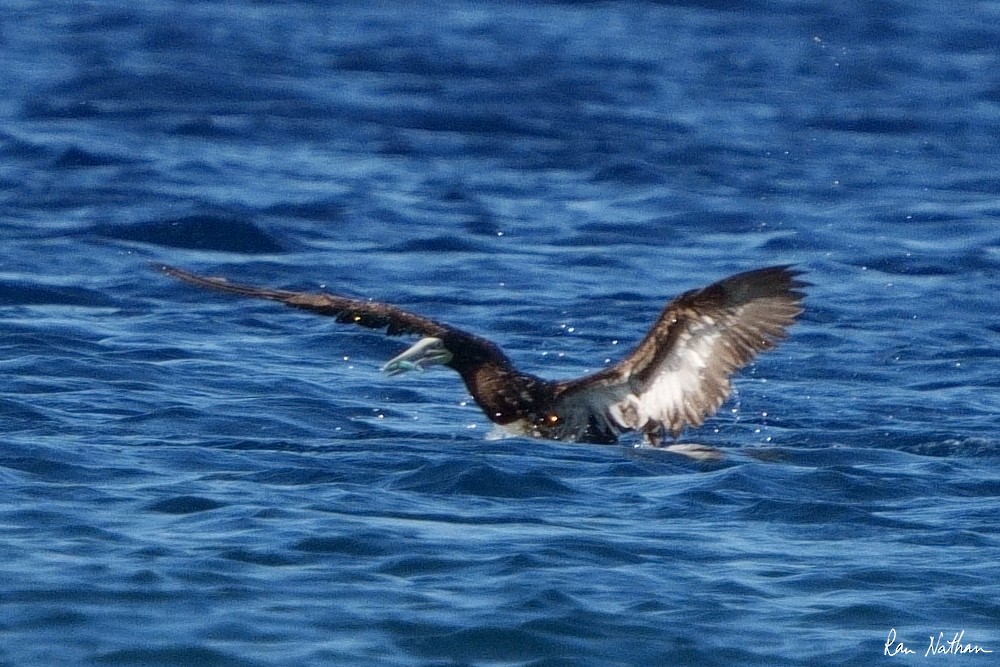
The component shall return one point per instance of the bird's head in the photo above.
(427, 352)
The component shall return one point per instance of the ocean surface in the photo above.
(190, 478)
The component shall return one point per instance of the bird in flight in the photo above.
(675, 377)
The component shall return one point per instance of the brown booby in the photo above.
(676, 377)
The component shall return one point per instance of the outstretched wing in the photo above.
(679, 374)
(370, 314)
(501, 390)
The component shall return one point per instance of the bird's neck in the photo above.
(504, 393)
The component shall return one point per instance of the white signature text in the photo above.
(938, 645)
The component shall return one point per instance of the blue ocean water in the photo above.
(193, 479)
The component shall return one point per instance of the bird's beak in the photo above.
(427, 352)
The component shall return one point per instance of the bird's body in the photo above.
(676, 377)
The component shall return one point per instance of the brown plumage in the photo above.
(677, 376)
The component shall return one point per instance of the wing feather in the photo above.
(369, 314)
(679, 373)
